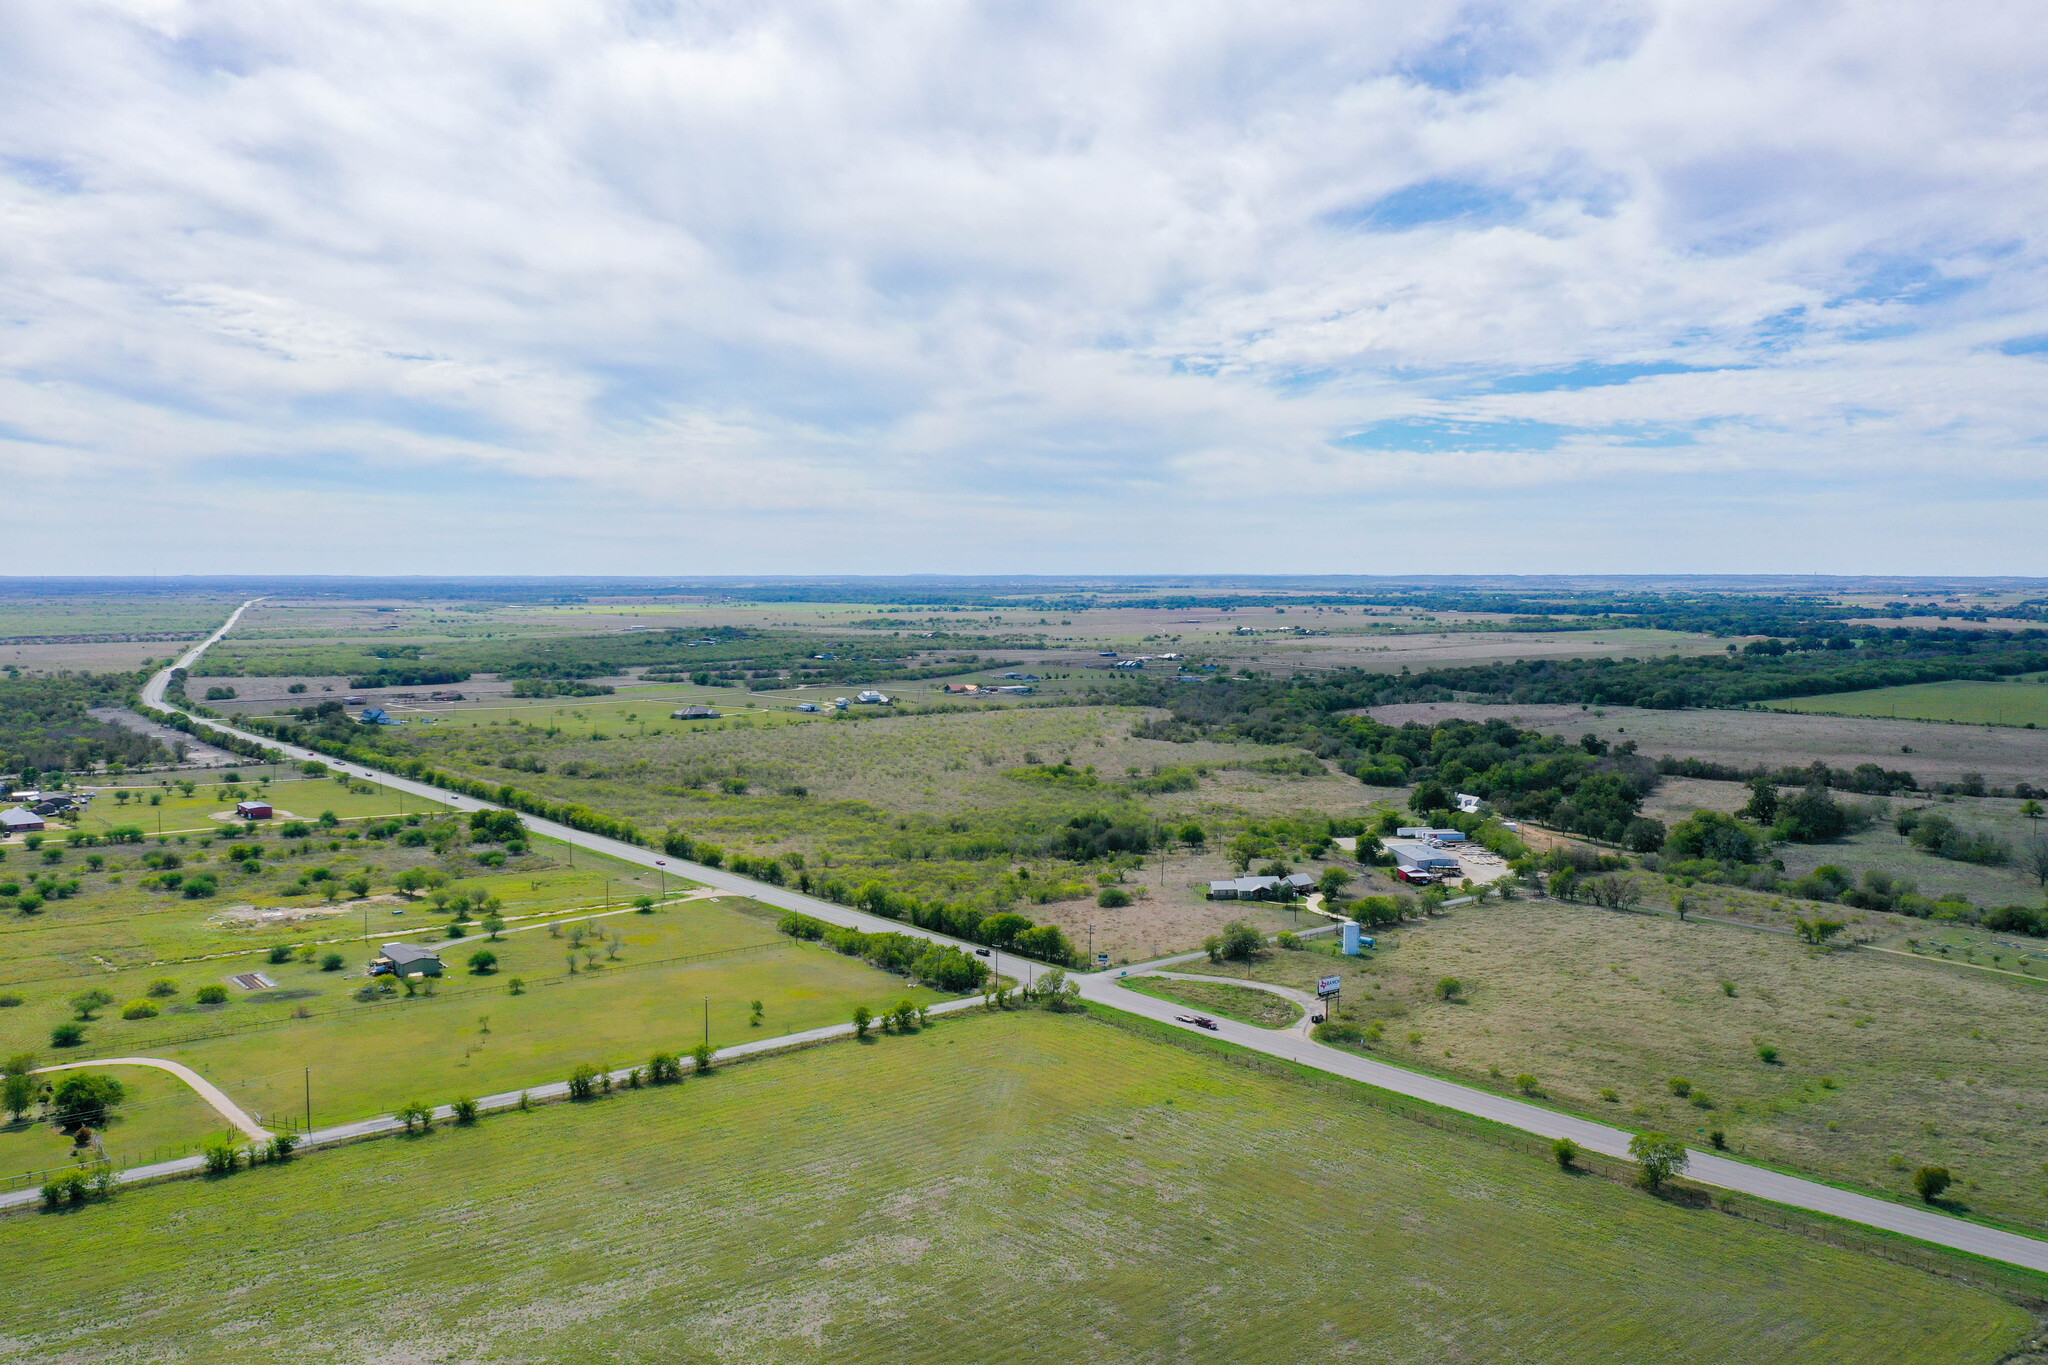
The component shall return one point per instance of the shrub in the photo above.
(281, 952)
(86, 1004)
(67, 1035)
(1660, 1155)
(416, 1116)
(333, 962)
(1241, 942)
(1449, 988)
(1679, 1086)
(862, 1018)
(1289, 940)
(1719, 1140)
(139, 1009)
(583, 1083)
(1564, 1151)
(664, 1067)
(1767, 1054)
(9, 1000)
(701, 1055)
(163, 987)
(483, 962)
(1610, 1095)
(1524, 1082)
(1113, 897)
(211, 995)
(279, 1148)
(222, 1155)
(1930, 1181)
(68, 1188)
(465, 1110)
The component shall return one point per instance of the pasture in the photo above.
(1883, 1064)
(1019, 1187)
(2017, 701)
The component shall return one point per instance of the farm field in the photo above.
(648, 991)
(211, 808)
(1932, 753)
(2021, 702)
(1879, 1058)
(1032, 1186)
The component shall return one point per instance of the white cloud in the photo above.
(952, 286)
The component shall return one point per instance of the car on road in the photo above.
(1198, 1020)
(981, 952)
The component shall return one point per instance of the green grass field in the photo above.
(1261, 1008)
(2018, 702)
(1024, 1187)
(473, 1035)
(159, 1118)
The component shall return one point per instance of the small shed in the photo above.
(1301, 883)
(253, 810)
(19, 821)
(695, 713)
(407, 959)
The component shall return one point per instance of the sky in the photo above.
(1414, 287)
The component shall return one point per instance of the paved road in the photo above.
(206, 1089)
(1310, 1006)
(1706, 1168)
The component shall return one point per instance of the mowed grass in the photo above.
(1242, 1003)
(1884, 1064)
(2018, 702)
(473, 1036)
(200, 812)
(1023, 1187)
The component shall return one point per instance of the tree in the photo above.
(494, 925)
(2032, 857)
(359, 885)
(1564, 1151)
(410, 881)
(1710, 834)
(664, 1067)
(1817, 931)
(1193, 835)
(1930, 1181)
(483, 962)
(862, 1018)
(1660, 1155)
(87, 1100)
(583, 1082)
(1763, 801)
(1333, 882)
(86, 1004)
(2031, 809)
(905, 1013)
(644, 904)
(465, 1110)
(18, 1091)
(1643, 835)
(1524, 1082)
(416, 1116)
(1430, 797)
(1241, 942)
(1113, 898)
(701, 1055)
(67, 1035)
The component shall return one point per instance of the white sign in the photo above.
(1329, 986)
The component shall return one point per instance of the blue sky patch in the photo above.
(1432, 201)
(1430, 435)
(2033, 345)
(1589, 376)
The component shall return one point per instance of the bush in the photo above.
(701, 1055)
(222, 1155)
(1679, 1086)
(333, 962)
(1524, 1082)
(1930, 1181)
(1113, 897)
(67, 1035)
(139, 1009)
(465, 1110)
(483, 962)
(416, 1116)
(211, 995)
(281, 952)
(583, 1083)
(86, 1004)
(278, 1149)
(1564, 1151)
(1767, 1054)
(863, 1018)
(664, 1067)
(163, 987)
(69, 1188)
(1449, 988)
(1241, 942)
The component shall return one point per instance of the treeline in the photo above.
(938, 965)
(219, 739)
(45, 724)
(409, 677)
(1867, 779)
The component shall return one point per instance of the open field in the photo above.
(1880, 1058)
(1032, 1186)
(2017, 701)
(1932, 753)
(472, 1034)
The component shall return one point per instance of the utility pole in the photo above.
(707, 1021)
(309, 1099)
